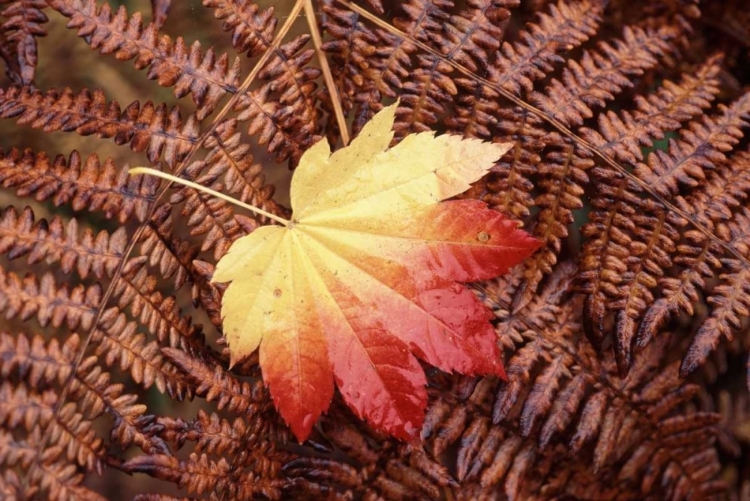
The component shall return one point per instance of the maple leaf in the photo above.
(367, 277)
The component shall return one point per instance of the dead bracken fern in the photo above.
(625, 337)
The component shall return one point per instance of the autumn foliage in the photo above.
(128, 367)
(366, 272)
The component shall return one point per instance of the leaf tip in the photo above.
(233, 359)
(500, 371)
(301, 423)
(502, 148)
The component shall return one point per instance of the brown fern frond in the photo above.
(601, 74)
(624, 135)
(623, 223)
(69, 430)
(375, 61)
(136, 290)
(476, 32)
(197, 474)
(358, 53)
(563, 177)
(508, 187)
(19, 409)
(166, 251)
(24, 21)
(205, 293)
(343, 475)
(84, 185)
(468, 37)
(720, 195)
(230, 156)
(229, 168)
(406, 472)
(102, 395)
(699, 256)
(701, 147)
(635, 238)
(213, 383)
(729, 299)
(551, 324)
(566, 26)
(41, 363)
(13, 451)
(50, 303)
(538, 358)
(431, 87)
(35, 361)
(425, 98)
(190, 70)
(517, 67)
(57, 479)
(217, 437)
(281, 112)
(117, 339)
(51, 477)
(613, 441)
(252, 28)
(10, 485)
(152, 128)
(495, 461)
(58, 242)
(211, 434)
(160, 11)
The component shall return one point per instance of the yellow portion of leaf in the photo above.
(294, 340)
(362, 181)
(317, 173)
(254, 258)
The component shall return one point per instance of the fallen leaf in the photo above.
(368, 274)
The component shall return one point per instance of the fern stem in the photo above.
(196, 186)
(326, 69)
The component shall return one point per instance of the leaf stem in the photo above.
(185, 182)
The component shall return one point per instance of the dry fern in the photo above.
(624, 337)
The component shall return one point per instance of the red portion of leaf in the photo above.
(294, 356)
(462, 339)
(380, 381)
(471, 241)
(377, 375)
(454, 241)
(298, 374)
